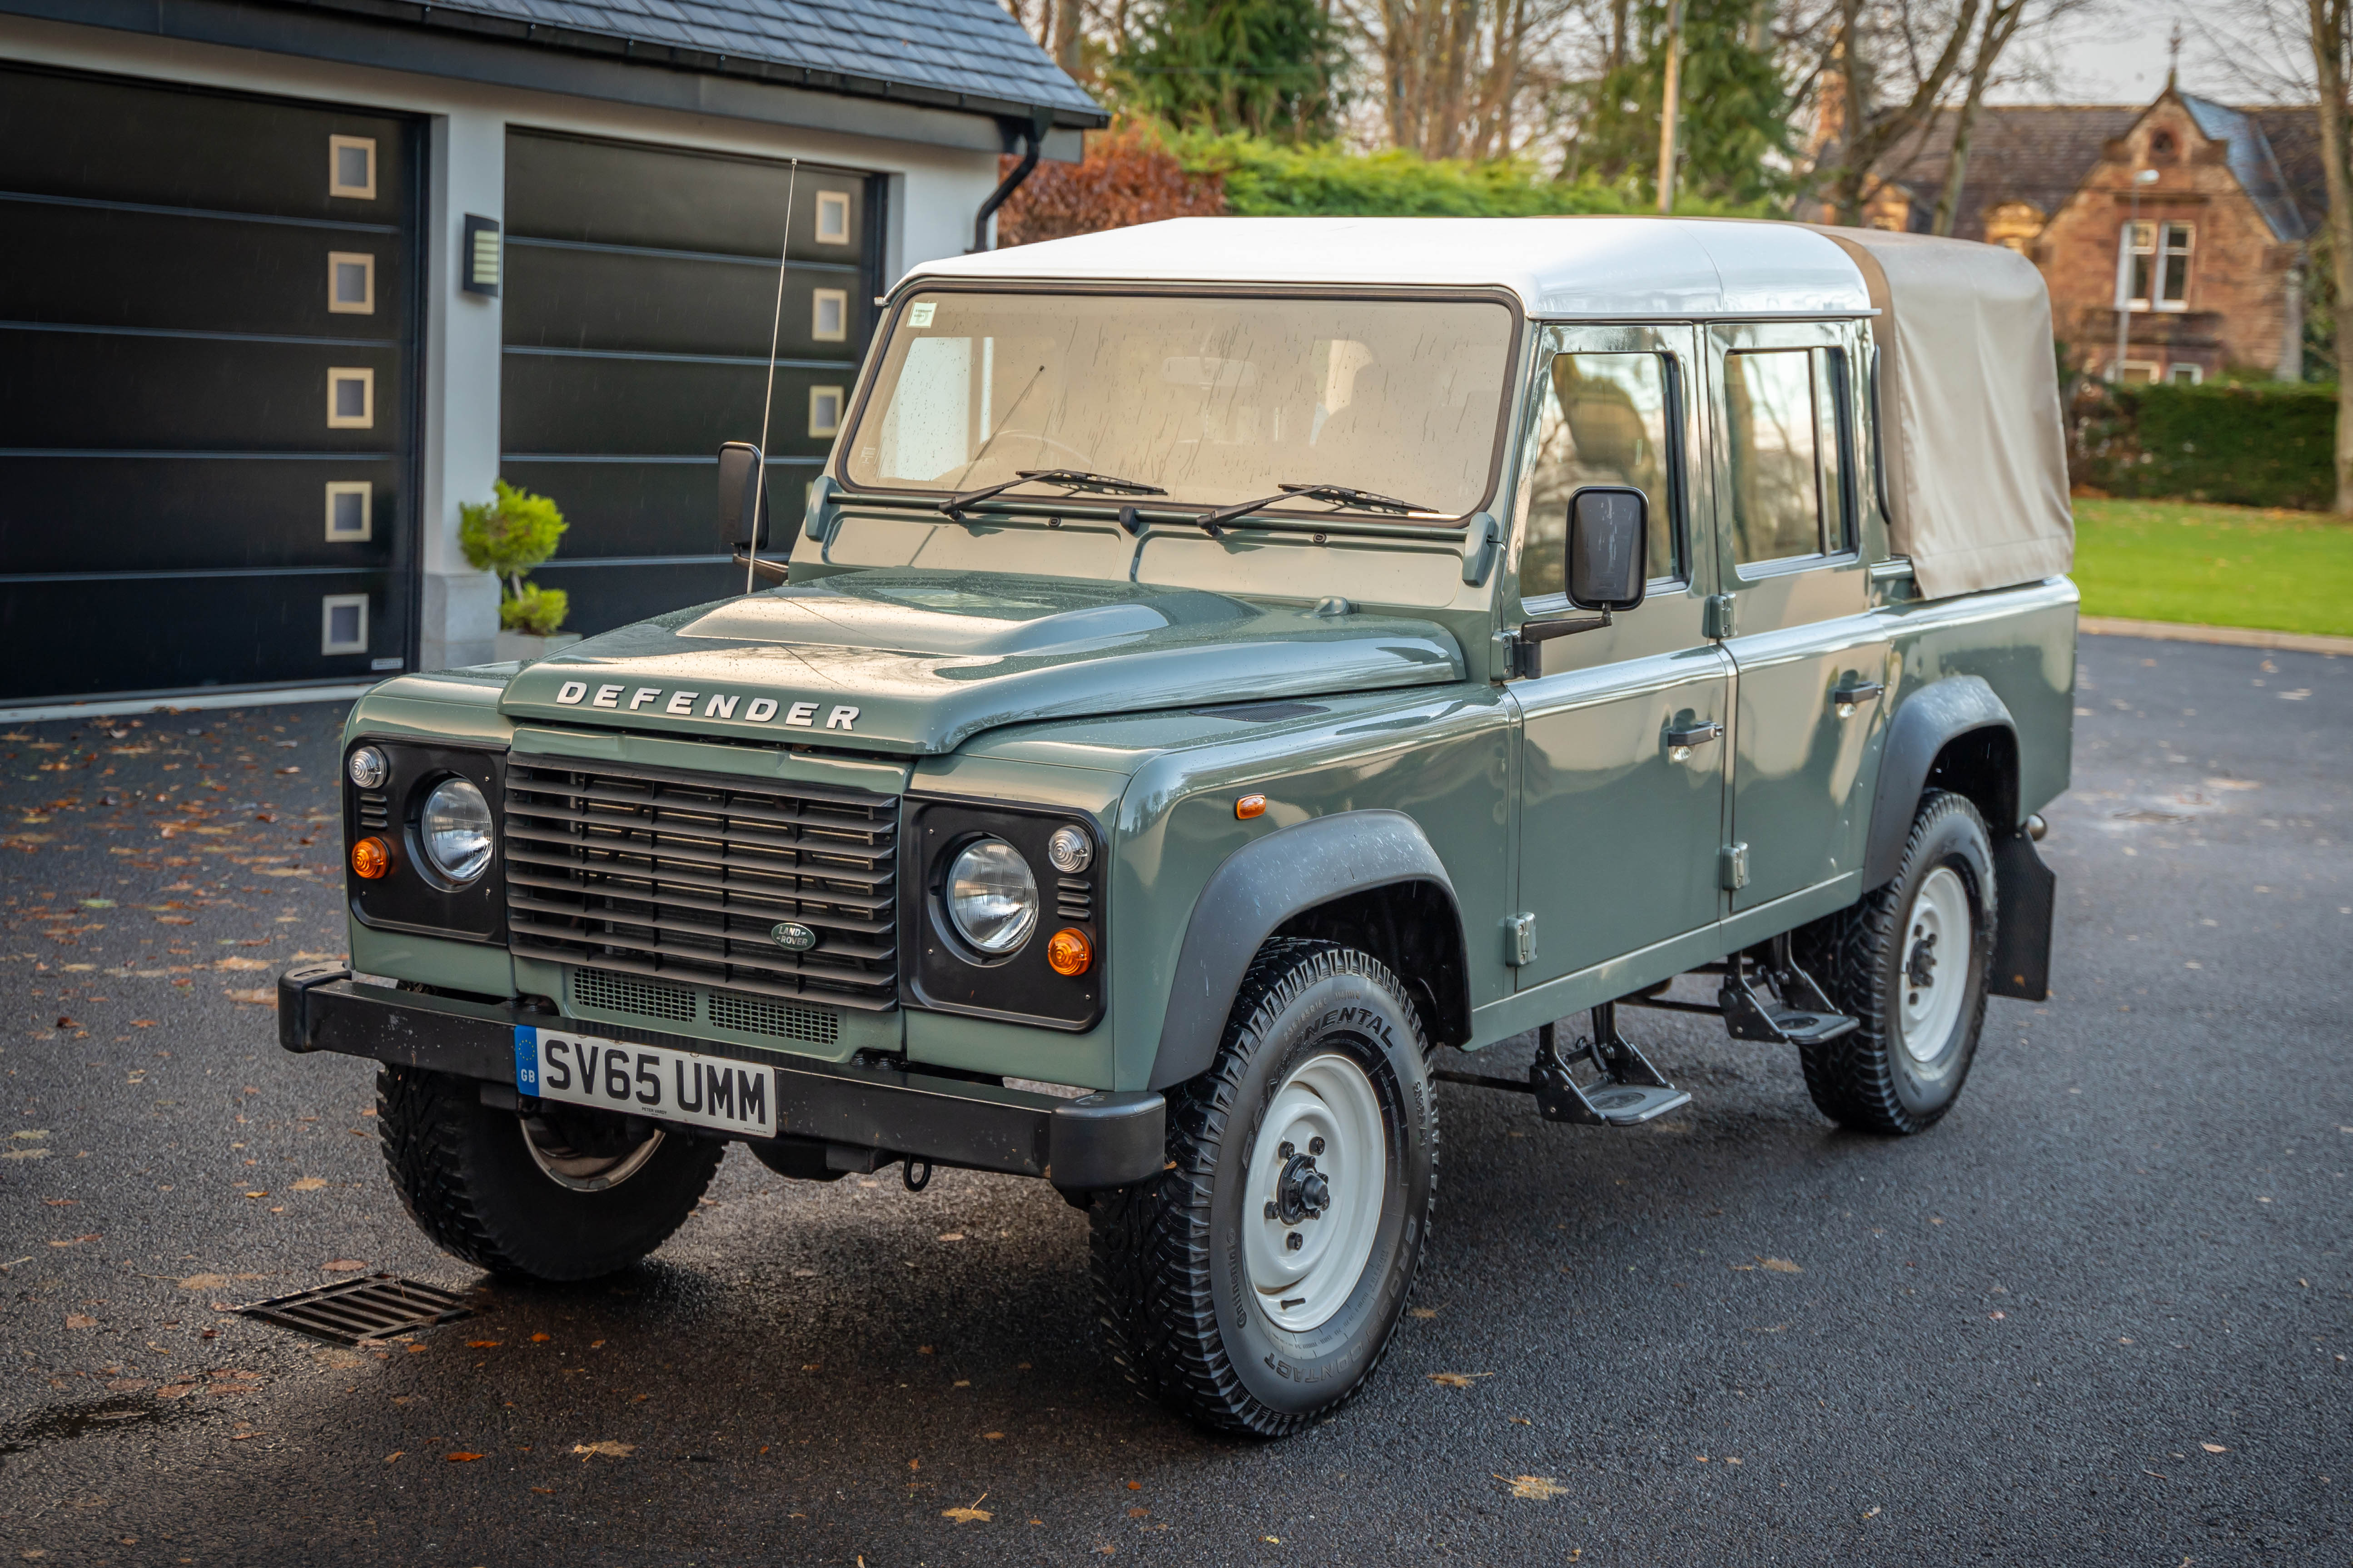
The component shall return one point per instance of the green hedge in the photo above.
(1265, 179)
(2247, 443)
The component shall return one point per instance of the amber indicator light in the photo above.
(369, 859)
(1069, 952)
(1250, 805)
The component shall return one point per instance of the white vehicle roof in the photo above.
(1970, 437)
(1561, 268)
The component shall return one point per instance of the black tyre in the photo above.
(1911, 960)
(556, 1196)
(1256, 1284)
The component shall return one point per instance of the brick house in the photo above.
(2186, 219)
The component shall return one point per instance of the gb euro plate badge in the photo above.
(646, 1080)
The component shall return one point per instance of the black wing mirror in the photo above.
(1608, 536)
(741, 497)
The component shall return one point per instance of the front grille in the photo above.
(682, 877)
(628, 994)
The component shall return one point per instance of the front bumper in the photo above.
(1080, 1145)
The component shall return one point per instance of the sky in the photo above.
(2116, 54)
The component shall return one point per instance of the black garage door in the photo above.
(640, 291)
(205, 389)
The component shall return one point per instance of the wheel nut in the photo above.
(1293, 1242)
(1316, 1145)
(1285, 1149)
(1271, 1210)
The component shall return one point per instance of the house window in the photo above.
(350, 398)
(833, 217)
(825, 410)
(2184, 375)
(351, 283)
(351, 167)
(829, 315)
(2139, 370)
(2153, 267)
(342, 623)
(350, 504)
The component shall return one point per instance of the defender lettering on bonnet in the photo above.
(799, 715)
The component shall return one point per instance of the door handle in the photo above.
(1849, 698)
(1680, 742)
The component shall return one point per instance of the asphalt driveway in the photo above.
(2099, 1315)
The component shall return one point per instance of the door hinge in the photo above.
(1719, 617)
(1519, 940)
(1736, 867)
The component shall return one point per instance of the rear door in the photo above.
(1810, 660)
(207, 349)
(1620, 822)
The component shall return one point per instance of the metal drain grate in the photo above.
(353, 1309)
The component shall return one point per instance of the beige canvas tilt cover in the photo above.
(1969, 411)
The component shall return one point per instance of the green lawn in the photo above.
(2218, 566)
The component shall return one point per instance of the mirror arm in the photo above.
(1523, 659)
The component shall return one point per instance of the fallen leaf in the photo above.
(393, 1455)
(2214, 1448)
(971, 1514)
(539, 1339)
(993, 1437)
(342, 1265)
(309, 1184)
(607, 1448)
(952, 1236)
(461, 1457)
(80, 1321)
(1455, 1379)
(253, 998)
(204, 1282)
(1533, 1488)
(1779, 1265)
(483, 1344)
(1522, 1421)
(1425, 1313)
(1870, 1513)
(1136, 1485)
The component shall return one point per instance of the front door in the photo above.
(1621, 788)
(1810, 657)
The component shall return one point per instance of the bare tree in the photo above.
(1916, 44)
(2331, 30)
(2002, 19)
(1462, 78)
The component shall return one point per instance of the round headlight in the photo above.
(992, 896)
(368, 767)
(456, 829)
(1070, 850)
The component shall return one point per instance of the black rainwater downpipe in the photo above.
(1033, 140)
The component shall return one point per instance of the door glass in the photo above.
(1605, 421)
(1769, 406)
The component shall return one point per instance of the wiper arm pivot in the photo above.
(1338, 495)
(1072, 480)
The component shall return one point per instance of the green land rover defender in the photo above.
(1221, 663)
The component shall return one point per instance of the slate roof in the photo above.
(2249, 153)
(2041, 152)
(954, 54)
(2017, 153)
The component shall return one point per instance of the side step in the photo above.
(1627, 1092)
(1791, 1010)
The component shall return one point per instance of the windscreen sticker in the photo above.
(921, 315)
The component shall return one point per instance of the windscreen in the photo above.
(1214, 399)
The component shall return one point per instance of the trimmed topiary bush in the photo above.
(2268, 443)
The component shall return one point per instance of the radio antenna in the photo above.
(768, 398)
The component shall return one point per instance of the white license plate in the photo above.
(646, 1080)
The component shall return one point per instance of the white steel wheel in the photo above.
(594, 1169)
(1318, 1180)
(1937, 952)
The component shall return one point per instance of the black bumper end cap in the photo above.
(1102, 1140)
(293, 1002)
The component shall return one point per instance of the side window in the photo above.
(1787, 442)
(1609, 419)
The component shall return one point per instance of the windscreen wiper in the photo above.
(1338, 495)
(1074, 480)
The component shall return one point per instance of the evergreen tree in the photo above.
(1731, 143)
(1268, 67)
